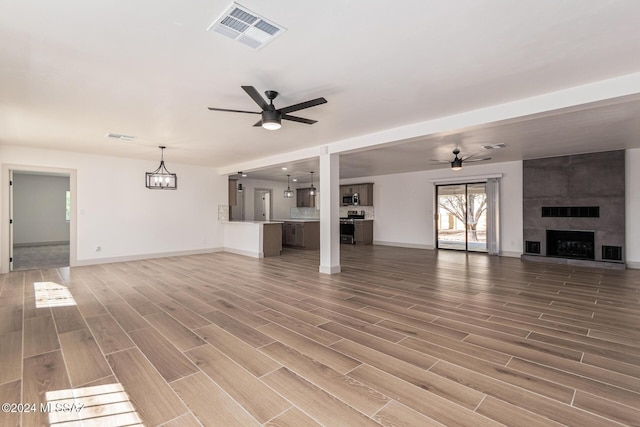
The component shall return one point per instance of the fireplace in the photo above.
(571, 244)
(574, 209)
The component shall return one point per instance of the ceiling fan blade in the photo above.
(258, 123)
(233, 111)
(258, 99)
(477, 160)
(303, 105)
(440, 161)
(298, 119)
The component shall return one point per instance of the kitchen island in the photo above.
(301, 233)
(256, 239)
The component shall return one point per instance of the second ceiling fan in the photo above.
(272, 116)
(456, 163)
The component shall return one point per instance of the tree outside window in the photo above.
(68, 205)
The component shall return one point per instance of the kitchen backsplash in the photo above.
(305, 213)
(314, 213)
(368, 211)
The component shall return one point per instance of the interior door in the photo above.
(462, 217)
(262, 205)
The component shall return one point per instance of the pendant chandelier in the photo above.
(312, 189)
(161, 178)
(288, 193)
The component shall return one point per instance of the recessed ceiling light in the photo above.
(295, 180)
(244, 174)
(284, 169)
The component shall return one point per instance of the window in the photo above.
(68, 205)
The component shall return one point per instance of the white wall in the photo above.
(39, 207)
(280, 206)
(116, 212)
(632, 213)
(404, 205)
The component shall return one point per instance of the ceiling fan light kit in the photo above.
(271, 120)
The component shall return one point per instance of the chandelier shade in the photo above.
(288, 193)
(312, 189)
(161, 178)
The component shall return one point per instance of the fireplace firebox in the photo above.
(571, 244)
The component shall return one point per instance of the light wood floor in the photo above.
(401, 337)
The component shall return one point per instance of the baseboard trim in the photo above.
(511, 254)
(24, 245)
(96, 261)
(633, 264)
(244, 253)
(403, 245)
(329, 269)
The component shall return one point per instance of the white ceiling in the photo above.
(72, 71)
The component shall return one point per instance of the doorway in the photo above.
(236, 213)
(262, 209)
(461, 220)
(40, 220)
(65, 217)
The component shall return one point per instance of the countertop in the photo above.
(254, 222)
(296, 220)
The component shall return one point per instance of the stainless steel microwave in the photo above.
(352, 199)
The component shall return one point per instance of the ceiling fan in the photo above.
(272, 116)
(456, 164)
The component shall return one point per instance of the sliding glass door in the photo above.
(461, 222)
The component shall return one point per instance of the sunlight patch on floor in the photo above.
(51, 294)
(103, 405)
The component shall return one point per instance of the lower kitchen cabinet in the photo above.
(363, 232)
(304, 235)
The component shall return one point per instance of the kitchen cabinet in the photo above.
(363, 232)
(365, 191)
(303, 235)
(366, 194)
(299, 234)
(347, 190)
(288, 234)
(233, 192)
(304, 199)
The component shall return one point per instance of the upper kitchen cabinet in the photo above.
(304, 199)
(365, 193)
(233, 192)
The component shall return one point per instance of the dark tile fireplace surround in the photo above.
(573, 209)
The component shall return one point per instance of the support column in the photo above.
(329, 213)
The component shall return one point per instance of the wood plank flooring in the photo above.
(402, 337)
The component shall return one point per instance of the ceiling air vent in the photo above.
(120, 136)
(494, 146)
(247, 27)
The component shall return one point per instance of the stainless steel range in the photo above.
(347, 226)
